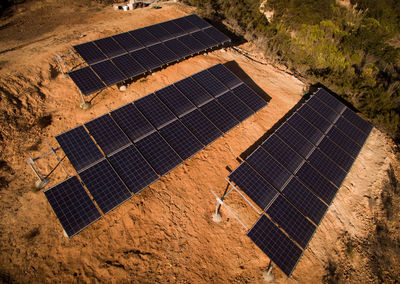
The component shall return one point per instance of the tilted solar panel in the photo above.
(217, 35)
(205, 39)
(249, 97)
(108, 72)
(210, 83)
(305, 128)
(196, 20)
(144, 37)
(193, 91)
(163, 53)
(178, 48)
(192, 43)
(185, 25)
(357, 121)
(351, 131)
(159, 32)
(323, 109)
(128, 66)
(331, 101)
(128, 42)
(336, 153)
(89, 52)
(219, 116)
(295, 140)
(172, 28)
(146, 59)
(109, 47)
(224, 75)
(235, 106)
(175, 100)
(344, 141)
(314, 118)
(86, 80)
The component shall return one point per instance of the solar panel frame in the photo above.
(218, 36)
(172, 28)
(314, 118)
(175, 100)
(330, 100)
(211, 84)
(192, 43)
(333, 151)
(128, 66)
(249, 97)
(86, 80)
(146, 59)
(89, 52)
(197, 21)
(224, 75)
(304, 127)
(219, 116)
(325, 111)
(108, 73)
(159, 32)
(357, 121)
(344, 142)
(205, 39)
(109, 47)
(235, 106)
(295, 140)
(185, 25)
(128, 42)
(143, 36)
(193, 91)
(351, 131)
(166, 55)
(178, 48)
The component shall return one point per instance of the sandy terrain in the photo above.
(164, 234)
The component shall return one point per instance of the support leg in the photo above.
(84, 104)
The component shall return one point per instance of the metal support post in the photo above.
(59, 161)
(84, 104)
(41, 182)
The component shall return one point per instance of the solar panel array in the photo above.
(127, 55)
(146, 139)
(296, 172)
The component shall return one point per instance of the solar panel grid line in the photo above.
(210, 83)
(227, 77)
(351, 131)
(90, 53)
(178, 48)
(129, 66)
(339, 156)
(127, 41)
(109, 47)
(249, 97)
(197, 21)
(221, 117)
(193, 44)
(305, 128)
(357, 121)
(330, 100)
(193, 91)
(208, 41)
(175, 100)
(87, 80)
(321, 108)
(143, 36)
(163, 53)
(185, 25)
(314, 118)
(108, 72)
(159, 32)
(172, 28)
(146, 59)
(235, 106)
(217, 35)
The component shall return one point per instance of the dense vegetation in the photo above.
(352, 49)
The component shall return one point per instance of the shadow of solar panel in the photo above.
(269, 168)
(347, 128)
(163, 53)
(128, 42)
(107, 134)
(357, 121)
(154, 110)
(291, 220)
(108, 72)
(105, 186)
(130, 67)
(178, 48)
(258, 189)
(249, 97)
(185, 25)
(305, 128)
(158, 153)
(86, 80)
(336, 153)
(181, 140)
(317, 183)
(295, 140)
(328, 99)
(344, 142)
(133, 169)
(201, 127)
(205, 39)
(305, 200)
(235, 106)
(193, 91)
(196, 20)
(217, 35)
(172, 28)
(275, 244)
(109, 47)
(144, 37)
(323, 109)
(192, 43)
(210, 83)
(72, 205)
(159, 32)
(282, 153)
(79, 147)
(89, 52)
(219, 116)
(146, 59)
(327, 167)
(175, 101)
(224, 75)
(132, 122)
(314, 118)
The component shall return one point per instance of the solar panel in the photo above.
(172, 28)
(193, 91)
(257, 188)
(159, 32)
(108, 72)
(235, 106)
(146, 59)
(249, 97)
(178, 48)
(305, 128)
(282, 153)
(196, 20)
(305, 200)
(130, 67)
(158, 153)
(175, 101)
(295, 140)
(217, 35)
(89, 52)
(181, 140)
(314, 118)
(210, 83)
(269, 168)
(201, 127)
(323, 109)
(144, 37)
(205, 39)
(79, 147)
(154, 110)
(219, 116)
(344, 142)
(327, 167)
(331, 101)
(347, 128)
(109, 47)
(86, 80)
(291, 220)
(107, 134)
(334, 152)
(163, 53)
(185, 25)
(192, 43)
(132, 122)
(275, 244)
(105, 186)
(317, 183)
(72, 205)
(357, 121)
(128, 42)
(133, 169)
(224, 75)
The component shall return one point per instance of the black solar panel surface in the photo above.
(219, 116)
(275, 244)
(105, 186)
(178, 48)
(336, 153)
(109, 47)
(146, 59)
(128, 42)
(357, 121)
(130, 67)
(294, 139)
(217, 35)
(86, 80)
(224, 75)
(192, 43)
(144, 37)
(133, 169)
(163, 53)
(314, 118)
(249, 97)
(185, 25)
(72, 205)
(205, 39)
(331, 101)
(159, 32)
(108, 72)
(305, 128)
(235, 106)
(196, 20)
(344, 141)
(323, 109)
(210, 83)
(89, 52)
(193, 91)
(172, 28)
(351, 131)
(79, 147)
(175, 100)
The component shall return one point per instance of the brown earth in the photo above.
(164, 234)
